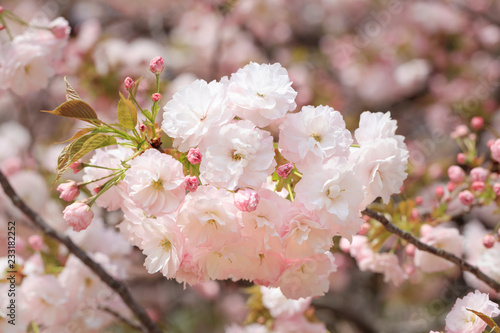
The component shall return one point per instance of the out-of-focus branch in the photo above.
(350, 316)
(120, 317)
(438, 252)
(116, 285)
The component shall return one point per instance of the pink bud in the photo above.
(156, 97)
(142, 127)
(419, 200)
(157, 65)
(415, 214)
(439, 191)
(78, 216)
(460, 131)
(60, 28)
(456, 174)
(285, 170)
(2, 27)
(478, 174)
(36, 242)
(489, 241)
(129, 83)
(69, 191)
(461, 158)
(477, 123)
(466, 197)
(76, 167)
(194, 156)
(365, 227)
(1, 9)
(478, 186)
(451, 186)
(495, 150)
(496, 188)
(246, 200)
(410, 250)
(191, 183)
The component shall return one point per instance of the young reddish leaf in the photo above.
(488, 320)
(76, 109)
(126, 113)
(71, 94)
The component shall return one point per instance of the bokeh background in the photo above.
(433, 64)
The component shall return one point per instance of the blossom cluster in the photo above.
(220, 214)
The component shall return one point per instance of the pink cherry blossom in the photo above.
(155, 182)
(285, 170)
(466, 198)
(129, 83)
(191, 183)
(495, 150)
(313, 135)
(157, 65)
(479, 174)
(261, 93)
(460, 320)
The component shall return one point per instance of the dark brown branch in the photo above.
(116, 285)
(438, 252)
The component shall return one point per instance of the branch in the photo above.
(349, 316)
(438, 252)
(116, 285)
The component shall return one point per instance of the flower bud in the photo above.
(60, 28)
(415, 214)
(142, 127)
(419, 200)
(69, 191)
(495, 150)
(478, 186)
(496, 188)
(156, 97)
(466, 197)
(478, 174)
(365, 227)
(191, 183)
(36, 242)
(246, 200)
(461, 158)
(157, 65)
(1, 9)
(477, 123)
(284, 170)
(451, 186)
(456, 174)
(489, 241)
(194, 156)
(439, 191)
(76, 167)
(129, 83)
(460, 131)
(78, 216)
(410, 250)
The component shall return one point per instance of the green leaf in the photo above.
(488, 320)
(126, 113)
(71, 94)
(81, 147)
(78, 134)
(75, 109)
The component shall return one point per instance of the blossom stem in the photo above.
(296, 173)
(117, 285)
(289, 188)
(465, 266)
(6, 28)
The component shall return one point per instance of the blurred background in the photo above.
(433, 64)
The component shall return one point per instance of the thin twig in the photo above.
(120, 317)
(438, 252)
(116, 285)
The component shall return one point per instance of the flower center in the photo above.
(157, 184)
(334, 192)
(260, 95)
(166, 244)
(316, 137)
(237, 156)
